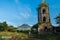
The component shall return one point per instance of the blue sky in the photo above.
(18, 12)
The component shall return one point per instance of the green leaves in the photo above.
(58, 20)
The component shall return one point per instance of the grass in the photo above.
(53, 36)
(21, 35)
(48, 36)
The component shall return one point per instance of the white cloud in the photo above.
(25, 15)
(25, 11)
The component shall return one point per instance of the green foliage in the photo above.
(11, 30)
(24, 31)
(58, 20)
(22, 36)
(47, 36)
(1, 27)
(40, 22)
(34, 29)
(5, 25)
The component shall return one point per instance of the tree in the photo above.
(34, 28)
(5, 25)
(58, 20)
(11, 29)
(1, 27)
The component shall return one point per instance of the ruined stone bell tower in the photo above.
(43, 17)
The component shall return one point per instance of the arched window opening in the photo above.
(44, 19)
(44, 11)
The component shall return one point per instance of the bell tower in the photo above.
(43, 16)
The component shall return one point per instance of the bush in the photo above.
(12, 30)
(24, 31)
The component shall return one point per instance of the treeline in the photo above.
(5, 27)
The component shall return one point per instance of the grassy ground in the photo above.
(53, 36)
(13, 34)
(22, 36)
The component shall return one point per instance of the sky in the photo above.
(18, 12)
